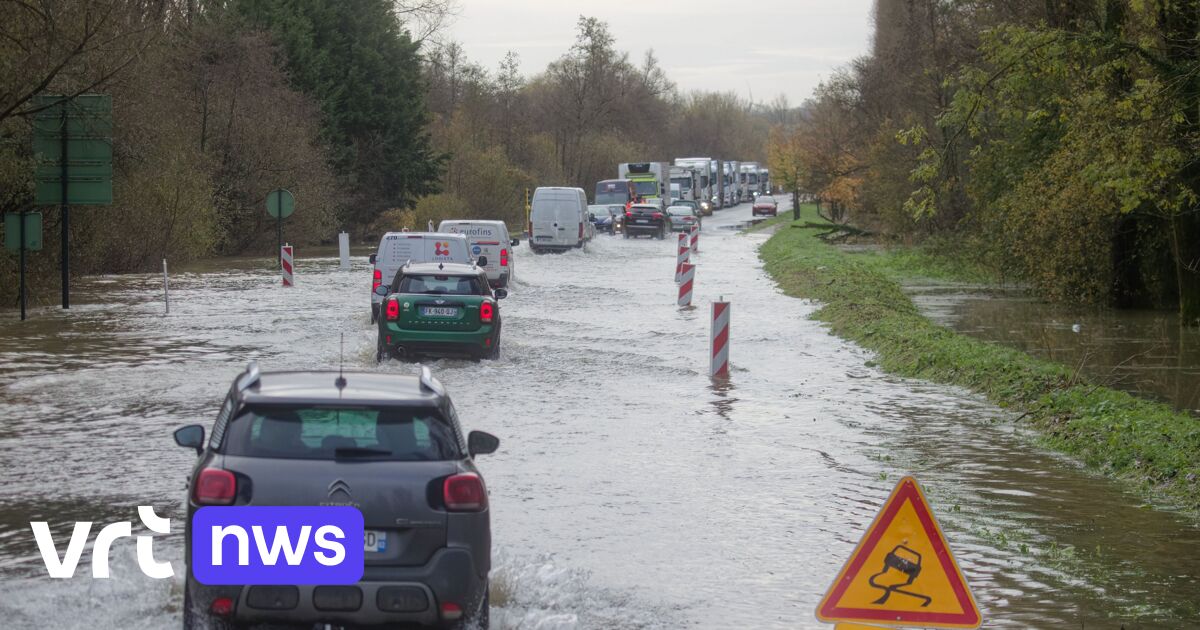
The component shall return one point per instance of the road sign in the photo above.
(280, 203)
(902, 573)
(82, 128)
(33, 231)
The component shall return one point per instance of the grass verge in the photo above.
(1144, 443)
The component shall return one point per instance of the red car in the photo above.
(765, 204)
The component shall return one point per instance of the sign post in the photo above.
(22, 233)
(280, 204)
(72, 138)
(902, 573)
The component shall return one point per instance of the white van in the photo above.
(397, 248)
(491, 240)
(558, 219)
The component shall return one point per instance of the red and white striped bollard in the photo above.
(687, 278)
(286, 261)
(695, 238)
(684, 255)
(718, 366)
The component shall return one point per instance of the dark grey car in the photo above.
(390, 445)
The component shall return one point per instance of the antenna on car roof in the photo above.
(340, 381)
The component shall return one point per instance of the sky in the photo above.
(757, 48)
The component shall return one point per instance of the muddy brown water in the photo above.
(1141, 351)
(629, 492)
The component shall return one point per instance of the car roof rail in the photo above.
(250, 377)
(430, 384)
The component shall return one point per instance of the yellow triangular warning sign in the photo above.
(902, 572)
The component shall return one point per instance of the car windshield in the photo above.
(766, 199)
(435, 284)
(318, 432)
(600, 211)
(646, 188)
(688, 203)
(680, 210)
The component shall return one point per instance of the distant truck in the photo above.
(730, 178)
(748, 181)
(764, 181)
(649, 180)
(684, 179)
(611, 192)
(703, 182)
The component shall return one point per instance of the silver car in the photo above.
(682, 218)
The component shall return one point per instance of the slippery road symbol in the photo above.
(908, 568)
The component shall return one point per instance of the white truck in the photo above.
(650, 179)
(748, 180)
(683, 179)
(703, 183)
(732, 194)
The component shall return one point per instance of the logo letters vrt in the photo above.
(64, 567)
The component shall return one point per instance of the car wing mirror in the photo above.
(482, 443)
(381, 290)
(191, 436)
(481, 261)
(501, 293)
(371, 259)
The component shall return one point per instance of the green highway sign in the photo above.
(33, 231)
(280, 203)
(81, 126)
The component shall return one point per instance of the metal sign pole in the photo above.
(66, 217)
(279, 223)
(22, 248)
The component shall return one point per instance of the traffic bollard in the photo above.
(285, 261)
(718, 366)
(687, 279)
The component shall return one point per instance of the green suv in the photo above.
(442, 309)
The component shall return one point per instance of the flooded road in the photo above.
(629, 492)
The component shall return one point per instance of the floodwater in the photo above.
(629, 491)
(1139, 351)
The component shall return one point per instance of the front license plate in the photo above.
(374, 541)
(439, 311)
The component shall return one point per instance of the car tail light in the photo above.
(391, 309)
(215, 486)
(628, 215)
(221, 607)
(451, 611)
(580, 230)
(464, 492)
(504, 257)
(657, 215)
(377, 280)
(486, 312)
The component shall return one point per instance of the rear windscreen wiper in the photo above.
(354, 451)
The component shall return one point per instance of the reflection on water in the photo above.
(630, 491)
(1144, 352)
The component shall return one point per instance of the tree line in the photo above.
(1052, 141)
(362, 109)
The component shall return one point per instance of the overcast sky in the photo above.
(759, 47)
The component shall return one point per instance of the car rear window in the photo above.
(436, 284)
(395, 434)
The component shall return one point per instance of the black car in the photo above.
(390, 445)
(646, 218)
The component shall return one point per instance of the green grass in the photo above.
(1144, 443)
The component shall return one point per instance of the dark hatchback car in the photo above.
(389, 445)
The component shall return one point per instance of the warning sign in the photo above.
(902, 572)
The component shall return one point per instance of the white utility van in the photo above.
(558, 219)
(397, 248)
(491, 240)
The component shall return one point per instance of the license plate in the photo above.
(439, 311)
(641, 220)
(374, 541)
(544, 238)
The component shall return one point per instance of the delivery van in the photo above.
(397, 248)
(558, 219)
(489, 239)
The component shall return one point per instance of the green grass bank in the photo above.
(1143, 443)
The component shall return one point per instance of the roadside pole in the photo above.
(344, 251)
(280, 205)
(66, 217)
(166, 290)
(22, 255)
(279, 224)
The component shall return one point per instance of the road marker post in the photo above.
(696, 238)
(285, 261)
(687, 277)
(683, 255)
(902, 573)
(344, 251)
(718, 363)
(166, 290)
